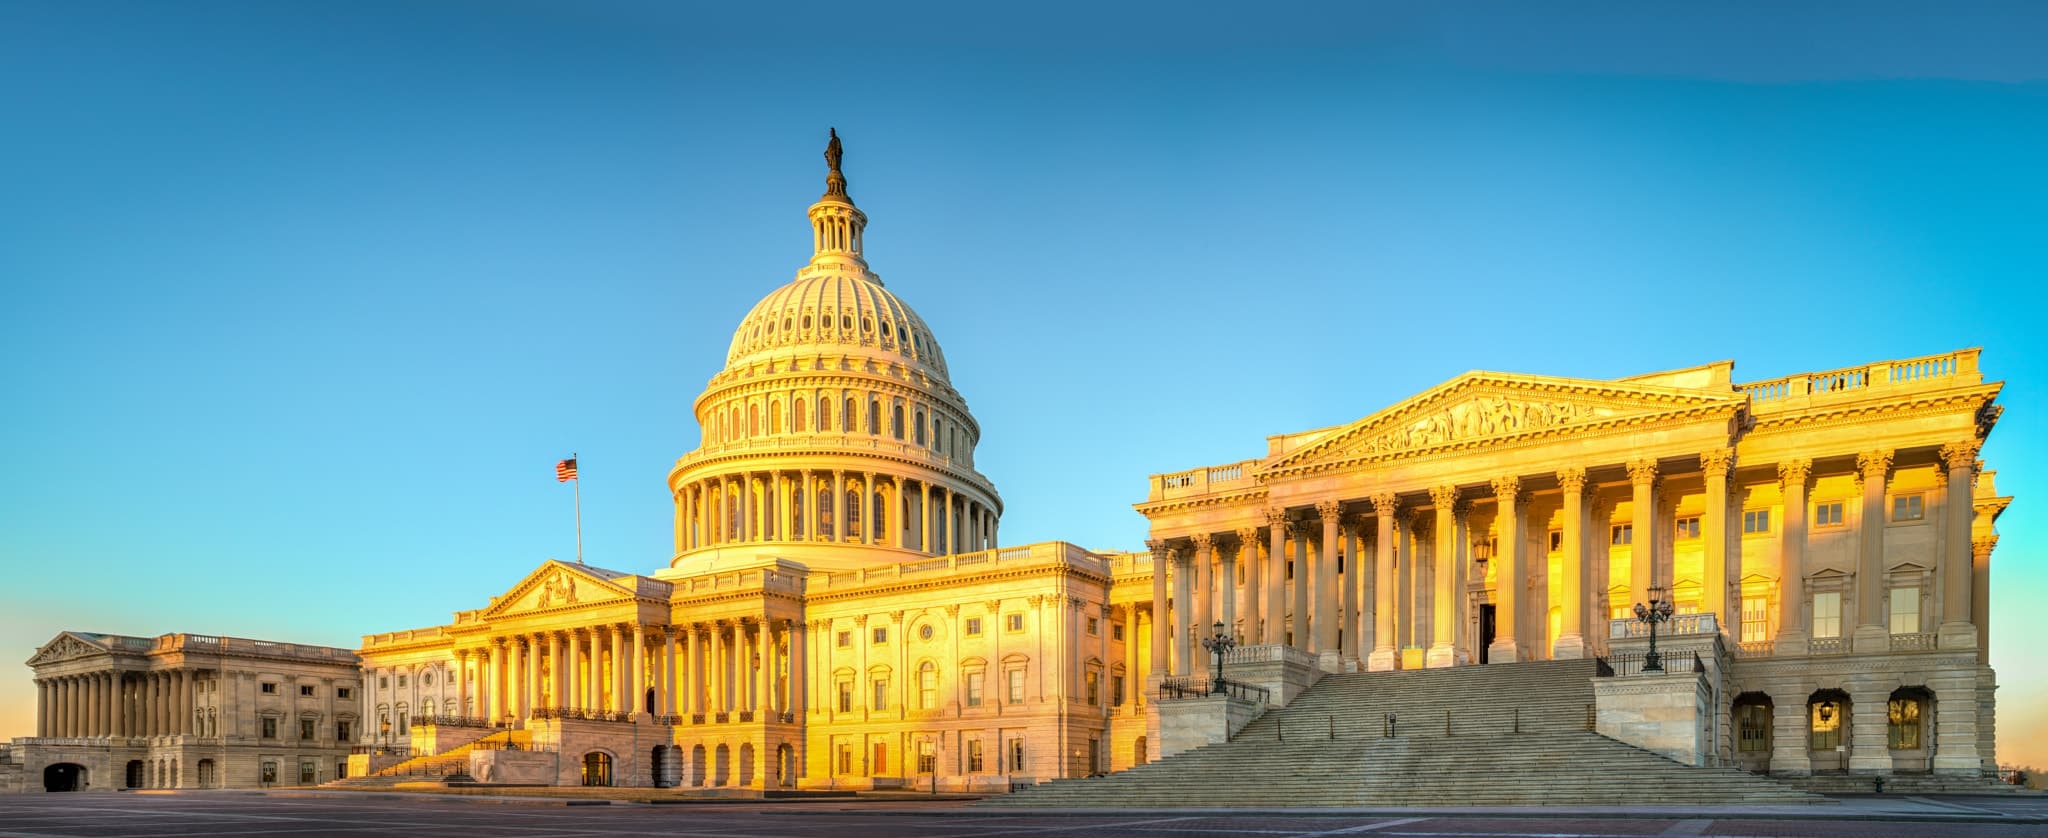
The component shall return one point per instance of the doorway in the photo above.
(64, 776)
(1485, 630)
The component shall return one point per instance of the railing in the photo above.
(1205, 479)
(787, 718)
(385, 751)
(1048, 552)
(1946, 369)
(456, 721)
(507, 745)
(1191, 687)
(1626, 664)
(1267, 653)
(1679, 625)
(1916, 642)
(1756, 649)
(746, 716)
(671, 720)
(1827, 646)
(696, 718)
(581, 714)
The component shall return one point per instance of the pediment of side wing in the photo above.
(1501, 408)
(556, 584)
(66, 646)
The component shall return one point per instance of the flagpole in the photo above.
(579, 506)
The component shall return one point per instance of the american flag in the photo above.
(565, 470)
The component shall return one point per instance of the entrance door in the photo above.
(1485, 630)
(63, 776)
(134, 777)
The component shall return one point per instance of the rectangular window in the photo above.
(306, 691)
(269, 773)
(1016, 686)
(384, 683)
(927, 757)
(845, 639)
(1827, 614)
(1621, 534)
(341, 732)
(1756, 521)
(1116, 631)
(1903, 724)
(1827, 514)
(846, 759)
(881, 694)
(309, 772)
(973, 626)
(928, 689)
(846, 696)
(1756, 619)
(1016, 622)
(974, 688)
(269, 688)
(1094, 682)
(1753, 728)
(1116, 689)
(1094, 627)
(1290, 569)
(344, 692)
(401, 682)
(1619, 612)
(1905, 610)
(1016, 754)
(306, 729)
(1686, 527)
(881, 763)
(973, 756)
(1556, 540)
(1824, 726)
(881, 634)
(269, 728)
(1908, 508)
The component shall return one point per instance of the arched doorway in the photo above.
(697, 765)
(661, 762)
(1908, 717)
(64, 776)
(1827, 730)
(597, 769)
(721, 767)
(747, 765)
(133, 777)
(206, 774)
(1138, 755)
(1752, 719)
(785, 761)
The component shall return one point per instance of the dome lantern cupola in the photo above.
(836, 224)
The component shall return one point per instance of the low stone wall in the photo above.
(515, 767)
(1189, 723)
(1667, 713)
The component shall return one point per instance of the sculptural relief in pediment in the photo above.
(65, 647)
(1486, 415)
(554, 587)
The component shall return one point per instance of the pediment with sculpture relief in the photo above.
(66, 646)
(557, 584)
(1495, 408)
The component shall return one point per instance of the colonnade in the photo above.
(721, 667)
(116, 703)
(1364, 614)
(836, 505)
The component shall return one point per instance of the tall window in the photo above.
(798, 423)
(927, 757)
(1016, 677)
(852, 513)
(920, 426)
(974, 687)
(1756, 521)
(824, 414)
(1905, 610)
(1116, 689)
(845, 696)
(825, 527)
(874, 417)
(753, 420)
(846, 416)
(775, 417)
(796, 514)
(1827, 514)
(881, 764)
(1824, 725)
(1908, 508)
(1094, 681)
(1903, 731)
(1017, 754)
(896, 421)
(1827, 614)
(938, 434)
(881, 694)
(973, 756)
(1755, 619)
(927, 688)
(846, 759)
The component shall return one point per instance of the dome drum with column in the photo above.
(832, 426)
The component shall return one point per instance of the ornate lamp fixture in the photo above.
(1217, 644)
(1482, 552)
(1657, 611)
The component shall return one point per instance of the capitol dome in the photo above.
(833, 435)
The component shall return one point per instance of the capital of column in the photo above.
(1203, 541)
(1276, 516)
(1716, 462)
(1642, 470)
(1572, 479)
(1329, 510)
(1159, 549)
(1873, 464)
(1981, 547)
(1794, 473)
(1247, 537)
(1961, 454)
(1509, 489)
(1383, 503)
(1444, 496)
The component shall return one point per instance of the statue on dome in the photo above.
(833, 152)
(835, 183)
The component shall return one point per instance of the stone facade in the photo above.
(185, 711)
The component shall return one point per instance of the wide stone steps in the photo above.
(452, 762)
(1518, 737)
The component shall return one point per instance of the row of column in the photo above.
(1266, 593)
(718, 667)
(812, 505)
(115, 703)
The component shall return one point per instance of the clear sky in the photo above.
(304, 300)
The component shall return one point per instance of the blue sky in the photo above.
(305, 300)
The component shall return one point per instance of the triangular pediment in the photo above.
(1496, 408)
(558, 584)
(67, 646)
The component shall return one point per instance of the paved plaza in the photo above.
(360, 814)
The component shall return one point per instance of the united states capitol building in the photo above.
(1463, 568)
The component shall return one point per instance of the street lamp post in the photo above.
(1657, 611)
(1217, 645)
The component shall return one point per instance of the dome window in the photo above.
(771, 327)
(901, 336)
(807, 321)
(867, 324)
(846, 322)
(788, 323)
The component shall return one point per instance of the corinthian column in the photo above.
(1202, 610)
(1792, 632)
(1159, 622)
(1871, 634)
(1276, 577)
(1571, 641)
(1513, 584)
(1383, 658)
(1642, 475)
(1183, 593)
(1442, 651)
(1324, 618)
(1715, 464)
(1957, 629)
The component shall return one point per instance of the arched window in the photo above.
(796, 514)
(824, 414)
(920, 426)
(880, 524)
(735, 423)
(896, 421)
(732, 515)
(927, 687)
(847, 416)
(825, 527)
(775, 417)
(1753, 723)
(798, 422)
(853, 513)
(874, 417)
(1825, 713)
(753, 420)
(938, 434)
(1904, 720)
(597, 769)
